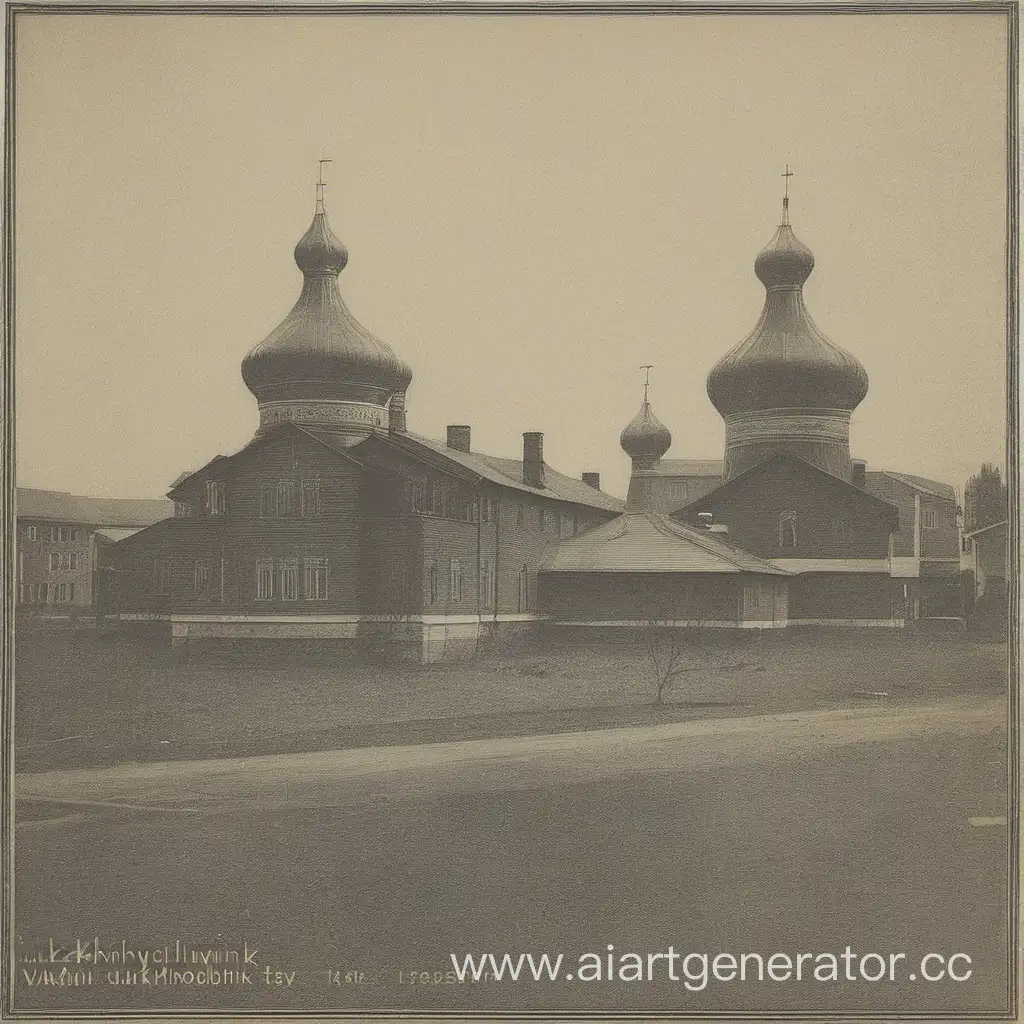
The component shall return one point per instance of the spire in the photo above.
(785, 199)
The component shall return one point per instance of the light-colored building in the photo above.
(60, 538)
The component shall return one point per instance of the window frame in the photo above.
(264, 573)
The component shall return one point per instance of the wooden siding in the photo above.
(845, 596)
(753, 509)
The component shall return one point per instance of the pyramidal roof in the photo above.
(650, 542)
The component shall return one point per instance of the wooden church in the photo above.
(337, 522)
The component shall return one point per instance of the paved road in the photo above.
(874, 828)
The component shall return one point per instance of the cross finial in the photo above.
(647, 367)
(321, 184)
(785, 199)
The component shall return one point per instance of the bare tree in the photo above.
(670, 649)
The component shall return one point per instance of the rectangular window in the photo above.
(223, 578)
(54, 561)
(839, 531)
(316, 579)
(540, 519)
(73, 560)
(290, 579)
(929, 519)
(524, 593)
(73, 535)
(487, 584)
(182, 508)
(677, 490)
(437, 502)
(487, 509)
(60, 534)
(201, 578)
(214, 498)
(310, 498)
(285, 497)
(787, 530)
(64, 593)
(32, 533)
(752, 594)
(161, 578)
(564, 525)
(431, 583)
(455, 581)
(520, 515)
(268, 501)
(264, 580)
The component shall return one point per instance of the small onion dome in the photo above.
(320, 347)
(786, 361)
(646, 436)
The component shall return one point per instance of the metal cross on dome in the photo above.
(785, 199)
(320, 183)
(647, 367)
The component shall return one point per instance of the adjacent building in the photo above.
(61, 542)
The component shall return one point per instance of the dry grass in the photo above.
(141, 699)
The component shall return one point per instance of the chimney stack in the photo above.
(704, 519)
(592, 480)
(533, 459)
(396, 413)
(458, 437)
(860, 471)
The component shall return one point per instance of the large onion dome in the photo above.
(645, 437)
(786, 387)
(786, 361)
(321, 366)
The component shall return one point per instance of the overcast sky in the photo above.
(533, 207)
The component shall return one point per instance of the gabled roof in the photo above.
(772, 462)
(692, 467)
(649, 542)
(64, 507)
(504, 472)
(919, 483)
(321, 437)
(985, 529)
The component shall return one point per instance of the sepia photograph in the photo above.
(511, 511)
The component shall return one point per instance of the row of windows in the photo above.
(488, 583)
(280, 578)
(277, 500)
(47, 593)
(284, 499)
(838, 531)
(63, 560)
(55, 534)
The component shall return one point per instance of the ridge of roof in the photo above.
(803, 464)
(985, 529)
(508, 473)
(921, 483)
(63, 506)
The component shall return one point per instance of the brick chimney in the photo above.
(458, 437)
(592, 480)
(860, 473)
(396, 413)
(533, 459)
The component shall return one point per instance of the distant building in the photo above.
(61, 538)
(336, 521)
(985, 556)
